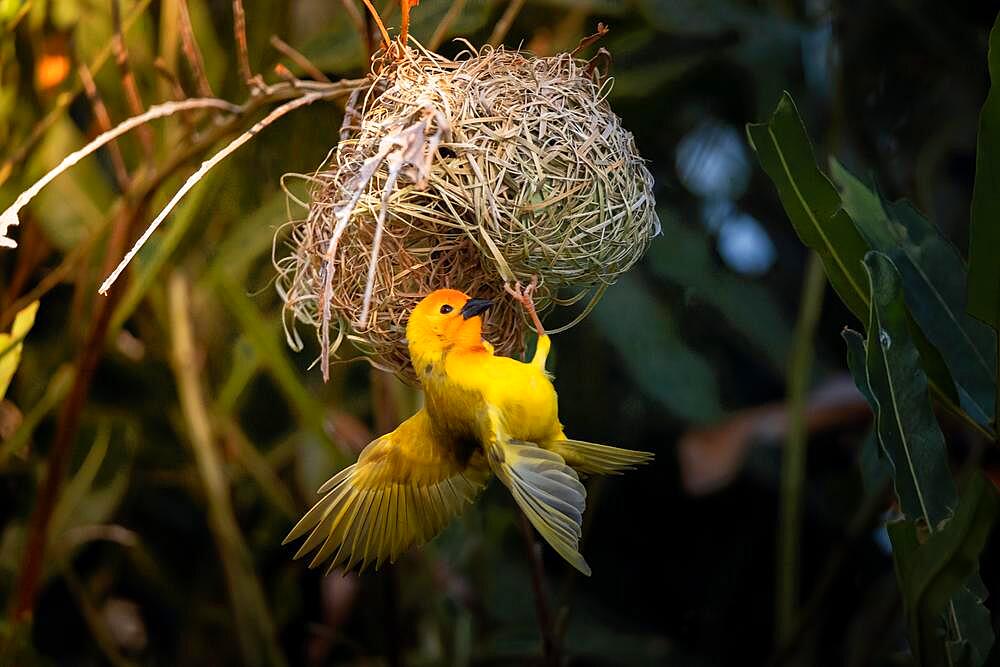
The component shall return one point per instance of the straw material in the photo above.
(494, 167)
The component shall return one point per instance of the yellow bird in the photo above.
(484, 415)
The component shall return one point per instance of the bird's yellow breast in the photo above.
(474, 385)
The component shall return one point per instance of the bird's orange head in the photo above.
(444, 320)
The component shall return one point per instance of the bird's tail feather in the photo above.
(593, 459)
(548, 492)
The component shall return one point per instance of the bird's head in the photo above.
(443, 321)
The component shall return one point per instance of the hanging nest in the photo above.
(465, 173)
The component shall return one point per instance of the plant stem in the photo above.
(30, 574)
(550, 648)
(253, 619)
(793, 465)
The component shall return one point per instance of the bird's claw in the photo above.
(523, 294)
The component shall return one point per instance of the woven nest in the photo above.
(469, 173)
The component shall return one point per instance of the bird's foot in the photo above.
(523, 294)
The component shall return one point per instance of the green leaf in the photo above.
(905, 422)
(912, 441)
(874, 464)
(934, 286)
(653, 353)
(12, 344)
(984, 234)
(932, 577)
(815, 208)
(811, 201)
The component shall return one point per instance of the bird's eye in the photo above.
(445, 309)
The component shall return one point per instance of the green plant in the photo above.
(930, 323)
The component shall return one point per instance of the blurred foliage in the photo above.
(201, 436)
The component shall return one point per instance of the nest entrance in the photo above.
(465, 173)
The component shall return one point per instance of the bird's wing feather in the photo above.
(405, 487)
(591, 458)
(547, 490)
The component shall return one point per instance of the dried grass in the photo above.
(468, 173)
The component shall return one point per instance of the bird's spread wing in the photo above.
(548, 492)
(591, 458)
(404, 488)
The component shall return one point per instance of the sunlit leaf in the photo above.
(12, 344)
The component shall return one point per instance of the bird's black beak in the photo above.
(474, 307)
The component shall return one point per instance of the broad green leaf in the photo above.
(749, 308)
(932, 576)
(874, 465)
(905, 422)
(12, 344)
(811, 201)
(934, 286)
(984, 234)
(910, 436)
(663, 366)
(815, 208)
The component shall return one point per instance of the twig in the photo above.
(242, 53)
(104, 123)
(602, 30)
(9, 217)
(794, 457)
(296, 57)
(378, 22)
(192, 52)
(442, 28)
(204, 169)
(58, 457)
(177, 92)
(550, 648)
(404, 26)
(502, 27)
(132, 96)
(152, 180)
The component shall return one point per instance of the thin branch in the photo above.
(506, 21)
(550, 648)
(378, 22)
(132, 96)
(602, 30)
(177, 92)
(57, 459)
(9, 217)
(104, 123)
(404, 28)
(296, 57)
(242, 53)
(207, 166)
(192, 52)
